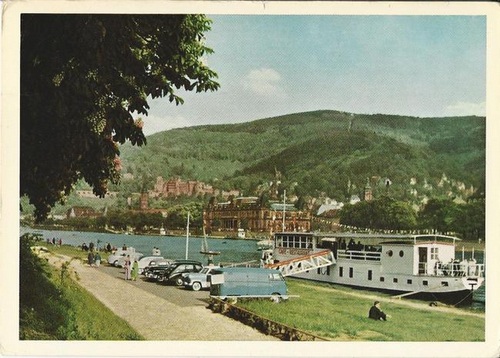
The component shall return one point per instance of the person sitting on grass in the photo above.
(376, 313)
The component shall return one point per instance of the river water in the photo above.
(172, 247)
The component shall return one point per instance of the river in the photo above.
(173, 247)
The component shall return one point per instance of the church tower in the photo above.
(368, 191)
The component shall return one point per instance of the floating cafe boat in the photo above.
(421, 266)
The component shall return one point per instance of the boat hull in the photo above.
(450, 290)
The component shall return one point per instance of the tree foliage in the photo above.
(82, 79)
(385, 213)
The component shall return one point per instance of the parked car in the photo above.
(115, 255)
(198, 280)
(150, 261)
(133, 256)
(248, 282)
(154, 272)
(174, 272)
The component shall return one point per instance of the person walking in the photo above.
(90, 258)
(135, 270)
(127, 267)
(97, 259)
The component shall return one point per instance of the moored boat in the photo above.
(420, 266)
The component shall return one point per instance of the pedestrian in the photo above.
(376, 313)
(135, 270)
(127, 267)
(97, 259)
(90, 258)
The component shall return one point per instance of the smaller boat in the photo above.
(264, 244)
(205, 251)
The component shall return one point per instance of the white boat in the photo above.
(420, 266)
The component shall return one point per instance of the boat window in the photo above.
(401, 253)
(389, 253)
(351, 272)
(409, 282)
(395, 280)
(425, 283)
(444, 283)
(370, 274)
(434, 253)
(382, 279)
(341, 271)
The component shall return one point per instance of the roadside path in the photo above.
(156, 318)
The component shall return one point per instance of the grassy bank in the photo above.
(54, 307)
(341, 314)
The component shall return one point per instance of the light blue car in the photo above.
(248, 282)
(199, 280)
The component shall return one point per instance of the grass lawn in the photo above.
(336, 314)
(55, 307)
(94, 321)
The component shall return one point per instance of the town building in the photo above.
(249, 214)
(82, 212)
(175, 187)
(88, 193)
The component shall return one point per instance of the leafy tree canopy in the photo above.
(82, 78)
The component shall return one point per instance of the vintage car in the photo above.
(146, 261)
(198, 280)
(154, 272)
(174, 272)
(133, 256)
(119, 253)
(248, 282)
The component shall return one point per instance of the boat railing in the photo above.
(359, 255)
(456, 269)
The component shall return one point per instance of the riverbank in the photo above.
(150, 316)
(333, 312)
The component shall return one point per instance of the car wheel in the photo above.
(115, 263)
(276, 297)
(196, 286)
(178, 281)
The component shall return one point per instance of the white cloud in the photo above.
(264, 82)
(153, 124)
(466, 109)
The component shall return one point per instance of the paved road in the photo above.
(159, 312)
(179, 296)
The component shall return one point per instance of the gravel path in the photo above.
(156, 318)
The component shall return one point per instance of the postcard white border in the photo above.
(9, 163)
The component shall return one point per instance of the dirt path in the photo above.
(156, 318)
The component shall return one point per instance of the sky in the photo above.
(271, 65)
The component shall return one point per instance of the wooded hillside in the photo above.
(317, 152)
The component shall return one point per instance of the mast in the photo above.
(284, 202)
(187, 237)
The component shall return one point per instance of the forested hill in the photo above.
(322, 151)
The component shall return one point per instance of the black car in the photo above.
(152, 273)
(174, 272)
